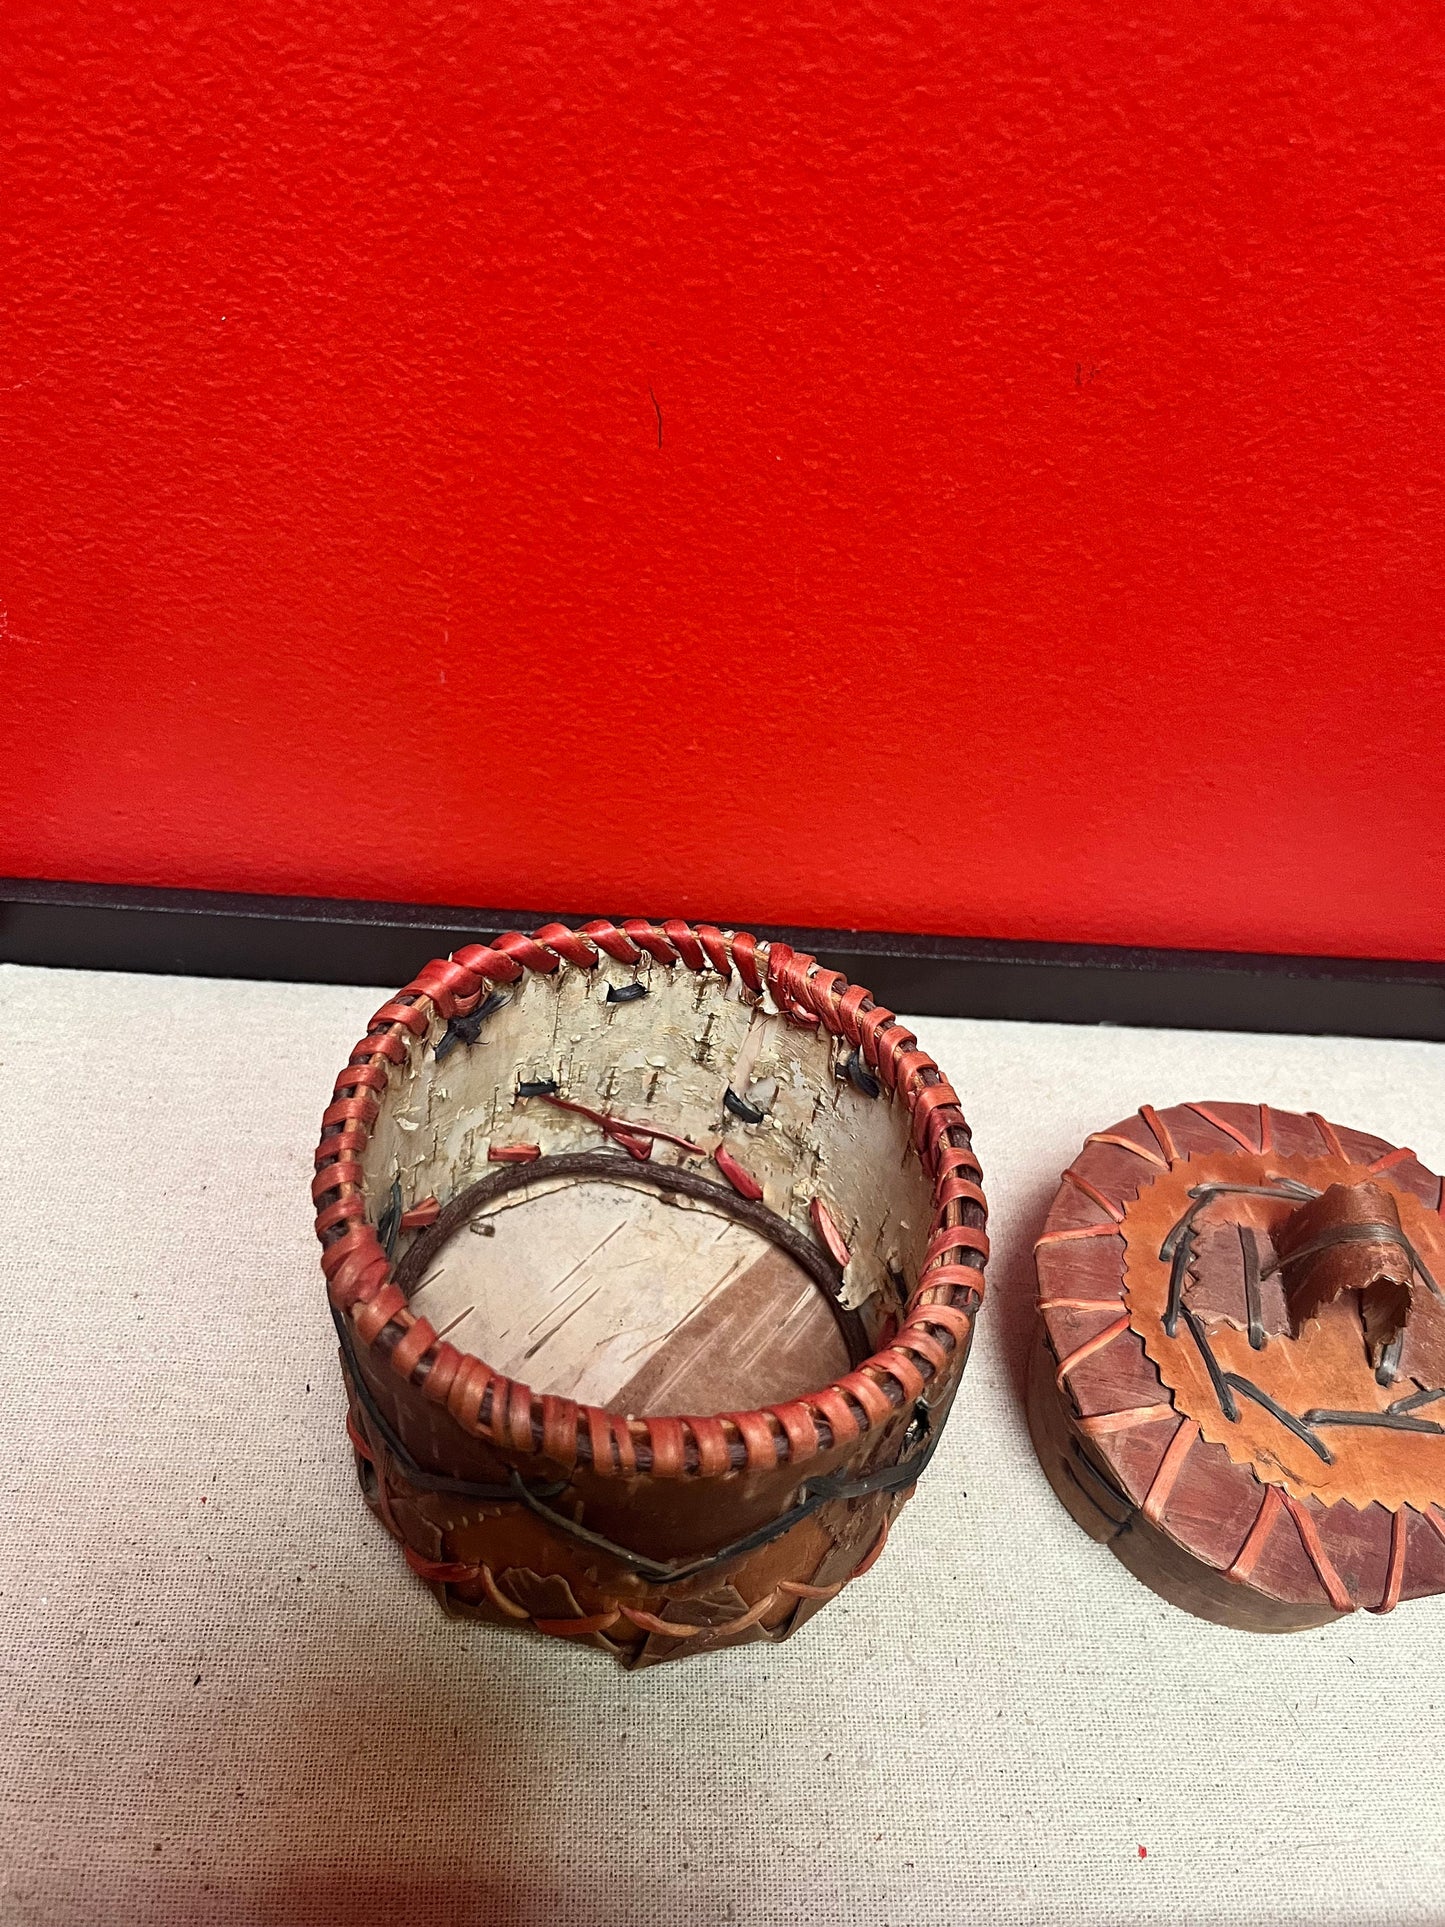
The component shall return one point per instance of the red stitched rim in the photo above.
(938, 1318)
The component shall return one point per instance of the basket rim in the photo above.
(932, 1340)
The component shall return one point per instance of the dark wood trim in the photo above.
(327, 940)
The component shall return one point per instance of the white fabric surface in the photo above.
(226, 1699)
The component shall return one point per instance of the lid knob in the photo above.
(1349, 1239)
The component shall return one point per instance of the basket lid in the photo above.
(1247, 1310)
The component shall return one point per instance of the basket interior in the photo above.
(605, 1288)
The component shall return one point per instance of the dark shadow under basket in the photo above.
(703, 1095)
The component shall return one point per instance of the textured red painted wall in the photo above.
(965, 468)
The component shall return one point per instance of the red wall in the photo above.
(1045, 537)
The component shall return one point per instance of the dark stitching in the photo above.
(1286, 1419)
(1390, 1421)
(1217, 1378)
(388, 1225)
(1388, 1369)
(1078, 1458)
(1249, 1249)
(749, 1113)
(1425, 1396)
(1418, 1262)
(857, 1073)
(811, 1496)
(466, 1030)
(1179, 1265)
(918, 1428)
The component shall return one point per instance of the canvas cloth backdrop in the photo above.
(226, 1699)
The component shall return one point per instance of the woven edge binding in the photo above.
(938, 1318)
